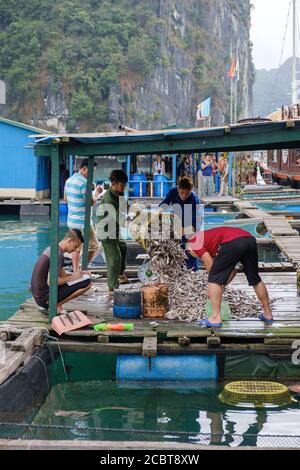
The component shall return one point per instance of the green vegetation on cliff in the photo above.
(84, 46)
(78, 58)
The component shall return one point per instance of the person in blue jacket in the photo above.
(189, 203)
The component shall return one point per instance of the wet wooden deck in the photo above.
(277, 225)
(173, 336)
(290, 246)
(216, 199)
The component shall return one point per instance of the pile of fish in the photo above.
(188, 290)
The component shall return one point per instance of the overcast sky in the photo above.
(268, 25)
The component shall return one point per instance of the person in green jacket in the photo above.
(111, 215)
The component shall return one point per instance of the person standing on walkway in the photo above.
(185, 168)
(221, 249)
(158, 166)
(110, 218)
(75, 195)
(224, 177)
(190, 208)
(208, 186)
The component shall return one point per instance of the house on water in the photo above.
(284, 163)
(22, 176)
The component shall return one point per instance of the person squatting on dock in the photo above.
(75, 195)
(221, 249)
(40, 279)
(110, 214)
(190, 212)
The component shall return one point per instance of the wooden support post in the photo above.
(184, 340)
(174, 170)
(103, 339)
(298, 281)
(150, 346)
(54, 234)
(213, 340)
(13, 360)
(4, 336)
(27, 340)
(88, 206)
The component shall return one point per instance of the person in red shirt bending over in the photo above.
(220, 249)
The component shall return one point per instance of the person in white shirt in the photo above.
(158, 166)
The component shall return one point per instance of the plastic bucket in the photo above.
(127, 312)
(127, 304)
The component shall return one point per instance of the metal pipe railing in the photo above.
(150, 186)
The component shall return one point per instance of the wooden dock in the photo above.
(216, 199)
(290, 246)
(168, 336)
(153, 336)
(277, 225)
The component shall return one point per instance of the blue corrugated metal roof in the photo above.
(127, 136)
(23, 126)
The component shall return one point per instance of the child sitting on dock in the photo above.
(40, 279)
(220, 250)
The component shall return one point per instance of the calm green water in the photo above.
(274, 195)
(186, 414)
(92, 405)
(284, 206)
(21, 243)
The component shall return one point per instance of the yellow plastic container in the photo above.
(257, 393)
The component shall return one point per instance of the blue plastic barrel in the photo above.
(135, 187)
(161, 186)
(185, 368)
(63, 208)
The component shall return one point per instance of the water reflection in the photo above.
(102, 410)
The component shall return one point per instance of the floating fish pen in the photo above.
(160, 380)
(56, 397)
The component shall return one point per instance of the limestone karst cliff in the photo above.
(91, 65)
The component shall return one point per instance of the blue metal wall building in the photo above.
(22, 175)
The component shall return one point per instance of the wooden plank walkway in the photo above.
(290, 246)
(218, 199)
(279, 227)
(241, 205)
(277, 224)
(246, 334)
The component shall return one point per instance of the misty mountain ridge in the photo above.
(273, 88)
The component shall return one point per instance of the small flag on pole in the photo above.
(237, 70)
(231, 71)
(203, 110)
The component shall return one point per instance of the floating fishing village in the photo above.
(149, 232)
